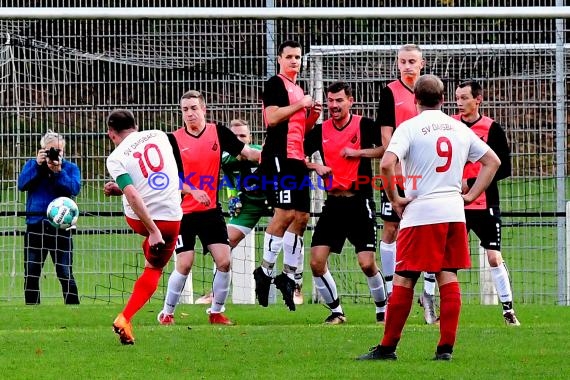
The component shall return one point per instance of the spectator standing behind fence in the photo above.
(45, 178)
(433, 238)
(347, 142)
(152, 207)
(396, 106)
(288, 115)
(483, 216)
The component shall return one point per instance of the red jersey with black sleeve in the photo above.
(396, 105)
(285, 139)
(354, 174)
(490, 132)
(201, 158)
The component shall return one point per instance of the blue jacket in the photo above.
(43, 186)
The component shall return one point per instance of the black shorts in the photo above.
(286, 183)
(209, 226)
(386, 212)
(346, 217)
(486, 224)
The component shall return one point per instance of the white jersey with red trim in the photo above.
(148, 159)
(433, 148)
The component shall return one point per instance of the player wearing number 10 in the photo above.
(151, 212)
(433, 235)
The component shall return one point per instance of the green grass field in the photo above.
(55, 342)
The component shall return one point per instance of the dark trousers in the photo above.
(40, 240)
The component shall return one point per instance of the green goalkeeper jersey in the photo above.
(235, 171)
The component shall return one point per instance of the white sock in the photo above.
(271, 246)
(376, 285)
(176, 283)
(429, 283)
(221, 288)
(292, 251)
(502, 283)
(327, 289)
(388, 260)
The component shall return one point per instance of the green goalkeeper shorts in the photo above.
(249, 215)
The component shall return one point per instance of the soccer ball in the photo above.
(62, 213)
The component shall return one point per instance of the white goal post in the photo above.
(273, 13)
(244, 260)
(450, 61)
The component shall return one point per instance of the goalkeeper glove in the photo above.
(234, 206)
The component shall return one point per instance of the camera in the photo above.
(53, 154)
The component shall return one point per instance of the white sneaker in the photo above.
(298, 296)
(511, 318)
(165, 319)
(427, 301)
(206, 299)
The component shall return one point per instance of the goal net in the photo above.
(67, 74)
(518, 82)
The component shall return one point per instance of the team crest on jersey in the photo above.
(215, 147)
(354, 139)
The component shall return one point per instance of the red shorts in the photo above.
(168, 229)
(433, 247)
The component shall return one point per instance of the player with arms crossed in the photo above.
(346, 142)
(483, 216)
(150, 211)
(288, 114)
(201, 145)
(396, 106)
(433, 149)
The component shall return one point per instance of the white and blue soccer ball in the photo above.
(63, 213)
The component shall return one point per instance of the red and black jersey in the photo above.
(347, 174)
(285, 139)
(491, 132)
(201, 158)
(396, 105)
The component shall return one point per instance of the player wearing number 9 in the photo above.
(432, 235)
(154, 214)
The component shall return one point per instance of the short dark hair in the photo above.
(288, 43)
(194, 94)
(340, 86)
(428, 90)
(476, 88)
(121, 120)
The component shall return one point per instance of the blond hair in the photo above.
(238, 123)
(410, 47)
